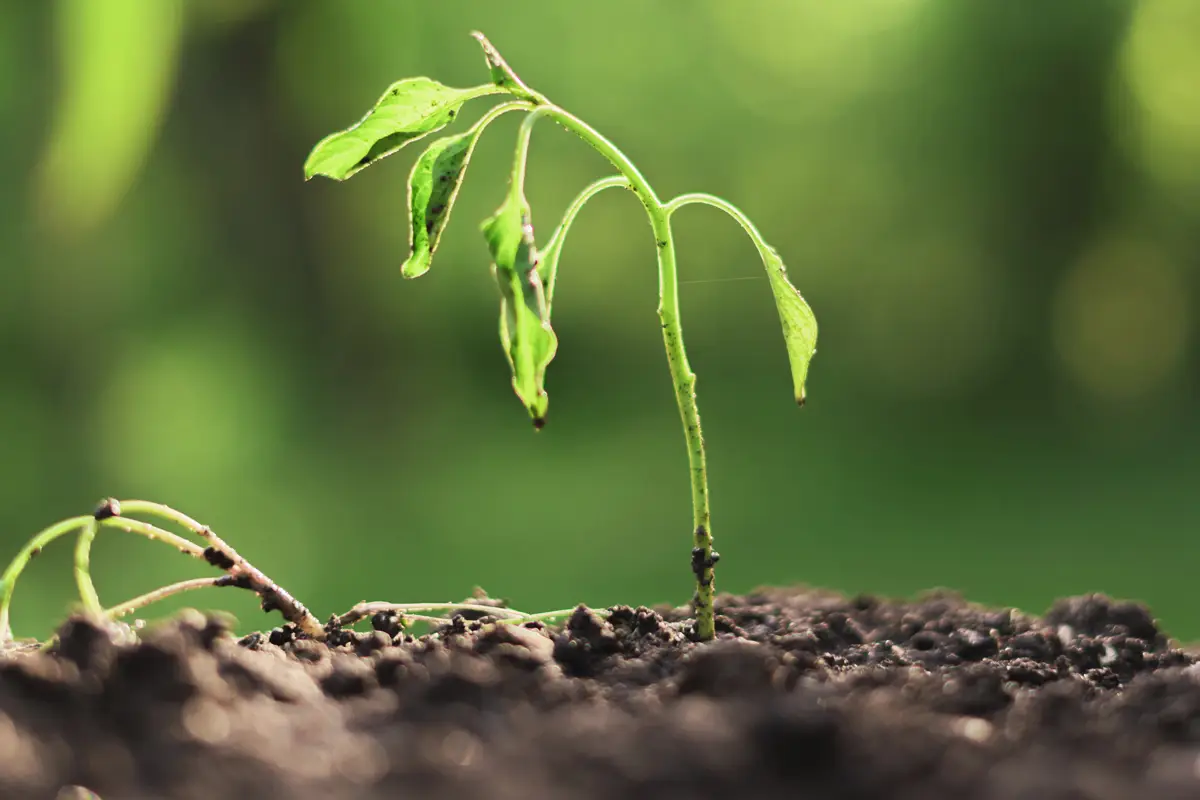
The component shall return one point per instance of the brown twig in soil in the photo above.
(238, 571)
(244, 574)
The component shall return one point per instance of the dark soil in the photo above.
(803, 695)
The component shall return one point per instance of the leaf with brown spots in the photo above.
(409, 110)
(433, 187)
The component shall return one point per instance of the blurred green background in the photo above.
(995, 214)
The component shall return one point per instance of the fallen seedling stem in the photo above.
(113, 514)
(162, 593)
(238, 572)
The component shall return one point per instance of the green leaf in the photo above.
(529, 341)
(502, 74)
(409, 110)
(799, 323)
(433, 187)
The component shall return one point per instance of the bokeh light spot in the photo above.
(832, 52)
(1161, 66)
(1121, 320)
(118, 62)
(930, 317)
(191, 406)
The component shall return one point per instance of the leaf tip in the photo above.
(312, 168)
(415, 266)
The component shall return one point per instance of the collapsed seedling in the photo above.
(413, 108)
(236, 572)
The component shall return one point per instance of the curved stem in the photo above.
(83, 575)
(682, 377)
(141, 601)
(522, 150)
(156, 534)
(162, 512)
(610, 151)
(589, 191)
(554, 247)
(701, 198)
(496, 111)
(34, 546)
(274, 596)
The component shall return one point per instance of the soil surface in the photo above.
(804, 694)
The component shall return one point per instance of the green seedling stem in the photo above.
(410, 612)
(83, 573)
(238, 572)
(87, 525)
(32, 548)
(544, 616)
(364, 610)
(162, 593)
(112, 514)
(410, 110)
(415, 107)
(154, 534)
(221, 555)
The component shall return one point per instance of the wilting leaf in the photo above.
(799, 323)
(529, 341)
(409, 110)
(433, 186)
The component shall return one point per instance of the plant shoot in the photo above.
(525, 273)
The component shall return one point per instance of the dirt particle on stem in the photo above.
(218, 558)
(108, 507)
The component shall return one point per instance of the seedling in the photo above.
(237, 572)
(413, 108)
(410, 110)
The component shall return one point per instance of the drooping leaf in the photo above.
(409, 110)
(798, 321)
(502, 74)
(433, 187)
(529, 341)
